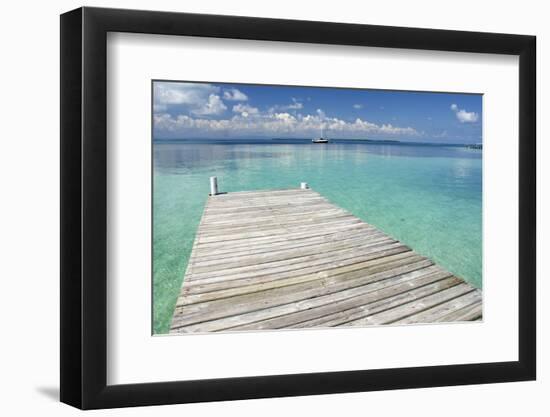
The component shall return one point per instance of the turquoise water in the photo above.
(428, 197)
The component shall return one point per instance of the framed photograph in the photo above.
(257, 208)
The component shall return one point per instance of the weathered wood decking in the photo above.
(291, 259)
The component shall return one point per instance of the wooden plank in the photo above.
(292, 253)
(234, 195)
(219, 224)
(231, 252)
(441, 310)
(468, 313)
(257, 203)
(268, 194)
(293, 248)
(209, 310)
(292, 314)
(232, 237)
(239, 195)
(325, 267)
(343, 317)
(279, 205)
(274, 225)
(408, 309)
(219, 202)
(289, 258)
(281, 316)
(263, 201)
(342, 258)
(377, 265)
(261, 206)
(268, 216)
(291, 235)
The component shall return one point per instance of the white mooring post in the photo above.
(213, 185)
(304, 186)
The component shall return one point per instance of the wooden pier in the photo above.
(291, 259)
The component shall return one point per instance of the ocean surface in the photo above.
(427, 196)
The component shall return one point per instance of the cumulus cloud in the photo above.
(321, 114)
(249, 121)
(157, 107)
(213, 106)
(245, 110)
(464, 116)
(199, 99)
(233, 94)
(357, 106)
(295, 105)
(167, 93)
(200, 109)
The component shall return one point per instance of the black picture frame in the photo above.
(84, 207)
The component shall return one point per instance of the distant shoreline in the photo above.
(307, 140)
(350, 140)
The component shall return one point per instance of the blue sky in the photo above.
(217, 110)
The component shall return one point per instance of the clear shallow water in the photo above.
(428, 197)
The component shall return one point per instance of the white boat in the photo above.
(320, 139)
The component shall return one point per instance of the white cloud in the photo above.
(467, 117)
(167, 93)
(212, 107)
(464, 116)
(357, 106)
(234, 95)
(249, 121)
(189, 109)
(245, 109)
(199, 99)
(295, 105)
(158, 108)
